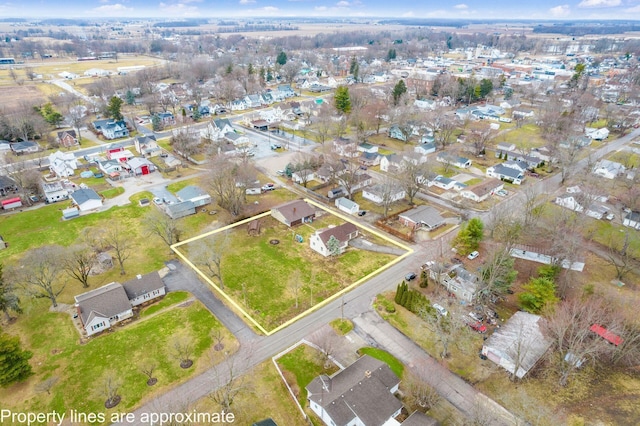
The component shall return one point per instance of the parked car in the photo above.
(440, 309)
(268, 187)
(410, 276)
(280, 172)
(157, 201)
(473, 255)
(362, 212)
(502, 193)
(477, 326)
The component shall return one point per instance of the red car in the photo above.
(476, 325)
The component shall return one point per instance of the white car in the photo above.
(473, 255)
(440, 309)
(157, 201)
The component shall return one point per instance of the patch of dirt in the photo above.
(186, 364)
(55, 351)
(152, 381)
(12, 95)
(110, 403)
(186, 304)
(218, 347)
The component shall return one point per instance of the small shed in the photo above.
(194, 194)
(347, 206)
(12, 203)
(70, 213)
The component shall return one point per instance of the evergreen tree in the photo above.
(282, 58)
(475, 227)
(391, 54)
(398, 90)
(131, 98)
(342, 100)
(114, 108)
(399, 292)
(250, 69)
(156, 124)
(14, 362)
(405, 299)
(538, 293)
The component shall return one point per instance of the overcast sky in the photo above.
(172, 9)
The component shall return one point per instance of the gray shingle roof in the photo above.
(143, 284)
(424, 214)
(81, 196)
(106, 301)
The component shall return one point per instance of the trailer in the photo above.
(12, 203)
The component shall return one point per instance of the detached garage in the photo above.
(86, 199)
(141, 166)
(12, 203)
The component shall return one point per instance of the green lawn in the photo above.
(113, 192)
(168, 300)
(342, 326)
(265, 269)
(396, 366)
(80, 366)
(527, 136)
(305, 364)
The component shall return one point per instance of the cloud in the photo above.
(269, 9)
(320, 8)
(599, 3)
(247, 1)
(409, 14)
(112, 8)
(560, 11)
(179, 9)
(343, 3)
(461, 6)
(634, 9)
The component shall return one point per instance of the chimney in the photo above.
(367, 374)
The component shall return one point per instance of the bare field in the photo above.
(13, 95)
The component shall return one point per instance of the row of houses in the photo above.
(269, 97)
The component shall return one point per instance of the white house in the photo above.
(63, 164)
(86, 199)
(103, 307)
(500, 171)
(425, 148)
(597, 134)
(570, 202)
(518, 344)
(347, 206)
(608, 169)
(454, 160)
(141, 166)
(482, 190)
(361, 394)
(391, 163)
(380, 193)
(320, 241)
(505, 146)
(144, 288)
(632, 220)
(54, 192)
(345, 148)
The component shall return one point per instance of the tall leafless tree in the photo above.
(164, 226)
(208, 253)
(118, 239)
(39, 273)
(77, 261)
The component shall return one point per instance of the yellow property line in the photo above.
(174, 247)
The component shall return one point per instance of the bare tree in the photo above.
(223, 180)
(619, 255)
(77, 116)
(323, 124)
(412, 173)
(109, 388)
(148, 367)
(443, 127)
(480, 139)
(229, 381)
(118, 239)
(163, 226)
(327, 341)
(420, 393)
(218, 337)
(47, 385)
(498, 274)
(569, 328)
(208, 252)
(77, 261)
(183, 347)
(39, 271)
(185, 141)
(388, 188)
(294, 283)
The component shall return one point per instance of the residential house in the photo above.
(111, 168)
(457, 280)
(505, 147)
(369, 159)
(345, 148)
(608, 169)
(597, 134)
(112, 129)
(422, 217)
(101, 308)
(63, 164)
(217, 128)
(180, 209)
(329, 171)
(424, 104)
(24, 147)
(396, 133)
(542, 255)
(347, 206)
(508, 174)
(425, 148)
(303, 176)
(54, 191)
(519, 165)
(121, 155)
(86, 199)
(518, 344)
(166, 118)
(454, 160)
(380, 193)
(7, 185)
(254, 101)
(141, 166)
(576, 142)
(367, 147)
(483, 190)
(361, 394)
(237, 139)
(391, 163)
(632, 220)
(286, 90)
(523, 113)
(195, 194)
(358, 182)
(67, 138)
(238, 105)
(442, 182)
(144, 288)
(320, 240)
(569, 201)
(147, 146)
(294, 213)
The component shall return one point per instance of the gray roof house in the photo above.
(502, 172)
(294, 213)
(421, 216)
(319, 240)
(103, 307)
(454, 160)
(195, 194)
(517, 345)
(182, 209)
(632, 220)
(463, 284)
(7, 185)
(347, 206)
(361, 394)
(86, 199)
(144, 288)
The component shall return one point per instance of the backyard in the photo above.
(274, 282)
